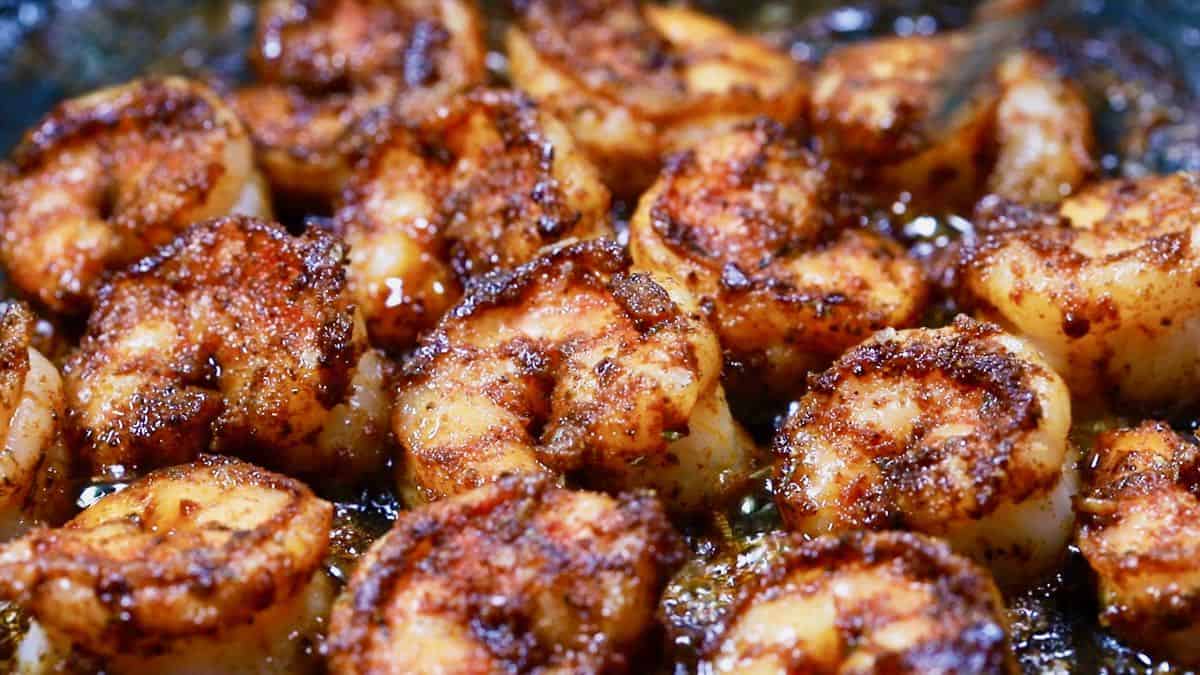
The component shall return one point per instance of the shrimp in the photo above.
(1027, 136)
(208, 567)
(959, 432)
(745, 221)
(104, 179)
(571, 363)
(1107, 287)
(236, 338)
(635, 81)
(518, 576)
(327, 67)
(483, 183)
(1140, 533)
(34, 464)
(865, 602)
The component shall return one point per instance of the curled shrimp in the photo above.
(745, 221)
(484, 182)
(1026, 136)
(959, 432)
(34, 463)
(1140, 533)
(867, 602)
(1107, 287)
(209, 567)
(634, 81)
(235, 338)
(518, 576)
(328, 66)
(105, 178)
(571, 363)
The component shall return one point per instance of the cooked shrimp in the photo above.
(519, 576)
(236, 338)
(104, 179)
(327, 66)
(1027, 137)
(209, 567)
(1140, 532)
(634, 81)
(34, 475)
(1108, 291)
(485, 182)
(572, 363)
(959, 432)
(745, 222)
(862, 603)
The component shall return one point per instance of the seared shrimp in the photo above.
(959, 432)
(1028, 137)
(520, 576)
(634, 81)
(745, 222)
(1108, 288)
(210, 567)
(862, 603)
(104, 179)
(236, 338)
(484, 182)
(1140, 532)
(572, 363)
(328, 66)
(34, 464)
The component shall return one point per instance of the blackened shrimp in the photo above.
(1107, 287)
(959, 432)
(1027, 135)
(572, 363)
(328, 66)
(235, 338)
(484, 182)
(1140, 532)
(210, 567)
(105, 178)
(746, 222)
(34, 462)
(516, 577)
(868, 602)
(634, 81)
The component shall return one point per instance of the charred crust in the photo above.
(1150, 474)
(606, 46)
(158, 107)
(971, 361)
(453, 541)
(272, 292)
(974, 638)
(237, 579)
(403, 40)
(598, 263)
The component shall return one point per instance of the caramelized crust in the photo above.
(947, 432)
(518, 576)
(482, 183)
(861, 603)
(105, 178)
(1140, 533)
(1106, 287)
(746, 222)
(1026, 133)
(329, 66)
(635, 81)
(187, 551)
(571, 363)
(235, 338)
